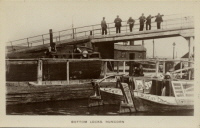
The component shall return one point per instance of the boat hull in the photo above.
(146, 105)
(141, 104)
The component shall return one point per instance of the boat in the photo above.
(169, 93)
(21, 66)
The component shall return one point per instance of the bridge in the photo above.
(171, 27)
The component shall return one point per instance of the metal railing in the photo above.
(95, 30)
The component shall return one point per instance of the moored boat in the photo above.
(152, 94)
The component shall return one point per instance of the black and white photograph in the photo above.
(101, 63)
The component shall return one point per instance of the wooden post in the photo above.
(163, 67)
(39, 73)
(72, 55)
(124, 67)
(117, 67)
(131, 42)
(189, 74)
(181, 64)
(51, 37)
(105, 69)
(67, 71)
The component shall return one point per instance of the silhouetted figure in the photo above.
(118, 24)
(104, 26)
(142, 20)
(159, 20)
(148, 22)
(131, 23)
(77, 52)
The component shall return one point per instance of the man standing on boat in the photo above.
(142, 20)
(104, 26)
(159, 20)
(148, 22)
(118, 24)
(131, 23)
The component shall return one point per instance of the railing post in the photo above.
(11, 45)
(108, 29)
(105, 68)
(67, 72)
(39, 72)
(92, 30)
(43, 39)
(27, 42)
(73, 33)
(59, 35)
(126, 28)
(124, 67)
(163, 67)
(181, 64)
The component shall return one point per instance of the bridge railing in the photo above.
(95, 30)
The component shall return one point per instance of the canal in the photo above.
(79, 107)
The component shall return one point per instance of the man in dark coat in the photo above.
(118, 24)
(131, 23)
(142, 20)
(148, 22)
(159, 20)
(104, 26)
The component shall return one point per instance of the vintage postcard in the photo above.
(99, 63)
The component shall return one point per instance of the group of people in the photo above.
(131, 21)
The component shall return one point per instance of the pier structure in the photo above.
(37, 74)
(91, 36)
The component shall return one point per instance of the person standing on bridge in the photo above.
(104, 26)
(159, 20)
(131, 23)
(148, 22)
(142, 20)
(118, 24)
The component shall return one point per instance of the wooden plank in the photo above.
(64, 60)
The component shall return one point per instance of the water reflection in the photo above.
(79, 107)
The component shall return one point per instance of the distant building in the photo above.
(126, 52)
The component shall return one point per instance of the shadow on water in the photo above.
(79, 107)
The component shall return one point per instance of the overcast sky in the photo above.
(21, 19)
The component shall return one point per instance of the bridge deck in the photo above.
(183, 26)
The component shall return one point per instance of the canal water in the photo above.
(79, 107)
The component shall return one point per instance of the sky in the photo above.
(25, 18)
